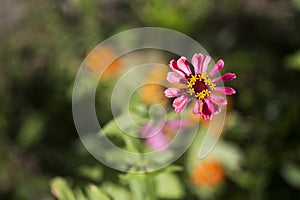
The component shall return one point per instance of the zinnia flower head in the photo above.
(198, 84)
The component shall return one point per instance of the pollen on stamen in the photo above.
(191, 91)
(199, 86)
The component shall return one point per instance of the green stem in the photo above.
(143, 187)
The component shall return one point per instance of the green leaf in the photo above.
(61, 190)
(95, 193)
(129, 130)
(293, 61)
(162, 14)
(92, 172)
(31, 130)
(296, 4)
(79, 194)
(116, 192)
(291, 173)
(168, 186)
(111, 128)
(131, 124)
(141, 185)
(169, 169)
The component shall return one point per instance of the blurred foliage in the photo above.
(61, 190)
(43, 44)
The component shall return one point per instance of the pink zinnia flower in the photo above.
(198, 85)
(158, 136)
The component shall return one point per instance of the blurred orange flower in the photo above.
(99, 61)
(208, 173)
(154, 93)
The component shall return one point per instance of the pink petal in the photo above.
(183, 65)
(207, 110)
(205, 63)
(218, 99)
(173, 77)
(157, 142)
(197, 106)
(225, 77)
(217, 108)
(173, 92)
(148, 130)
(196, 62)
(225, 90)
(217, 67)
(180, 103)
(174, 66)
(200, 62)
(173, 125)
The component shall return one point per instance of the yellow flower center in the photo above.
(200, 86)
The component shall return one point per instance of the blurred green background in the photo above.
(43, 43)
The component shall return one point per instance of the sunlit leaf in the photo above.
(169, 186)
(95, 193)
(93, 172)
(61, 189)
(116, 191)
(291, 173)
(293, 61)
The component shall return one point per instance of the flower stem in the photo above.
(142, 186)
